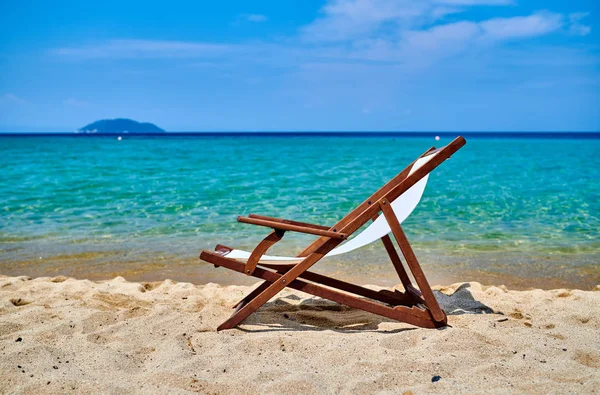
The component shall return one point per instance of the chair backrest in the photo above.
(403, 191)
(391, 191)
(403, 206)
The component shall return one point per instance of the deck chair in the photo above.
(395, 200)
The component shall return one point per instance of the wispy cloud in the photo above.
(349, 19)
(345, 20)
(11, 98)
(533, 25)
(419, 47)
(258, 18)
(143, 49)
(474, 2)
(495, 29)
(441, 37)
(577, 28)
(406, 32)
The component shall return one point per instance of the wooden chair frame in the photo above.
(414, 306)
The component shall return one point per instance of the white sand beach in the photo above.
(61, 335)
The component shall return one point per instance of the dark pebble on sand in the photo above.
(55, 367)
(564, 349)
(435, 378)
(19, 366)
(19, 339)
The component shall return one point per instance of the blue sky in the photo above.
(455, 65)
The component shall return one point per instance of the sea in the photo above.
(514, 209)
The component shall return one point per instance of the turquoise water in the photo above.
(523, 212)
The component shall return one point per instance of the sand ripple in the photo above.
(61, 334)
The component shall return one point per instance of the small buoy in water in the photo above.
(437, 138)
(119, 138)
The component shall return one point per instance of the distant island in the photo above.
(119, 126)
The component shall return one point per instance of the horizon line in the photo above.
(563, 134)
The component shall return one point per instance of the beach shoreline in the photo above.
(99, 208)
(60, 334)
(371, 266)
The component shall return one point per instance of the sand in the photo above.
(66, 335)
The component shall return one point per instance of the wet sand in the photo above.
(516, 272)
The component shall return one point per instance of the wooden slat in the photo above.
(412, 262)
(345, 286)
(264, 285)
(427, 168)
(385, 297)
(396, 261)
(261, 249)
(294, 228)
(289, 221)
(372, 200)
(280, 284)
(403, 186)
(410, 315)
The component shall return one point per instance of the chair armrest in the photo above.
(288, 221)
(291, 227)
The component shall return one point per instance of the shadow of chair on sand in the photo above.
(315, 314)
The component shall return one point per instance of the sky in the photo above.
(302, 65)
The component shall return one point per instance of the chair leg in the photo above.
(395, 258)
(392, 298)
(255, 292)
(396, 261)
(411, 260)
(251, 295)
(278, 285)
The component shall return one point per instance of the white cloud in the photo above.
(419, 47)
(255, 18)
(577, 28)
(440, 36)
(349, 19)
(143, 48)
(403, 32)
(533, 25)
(577, 16)
(11, 98)
(474, 2)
